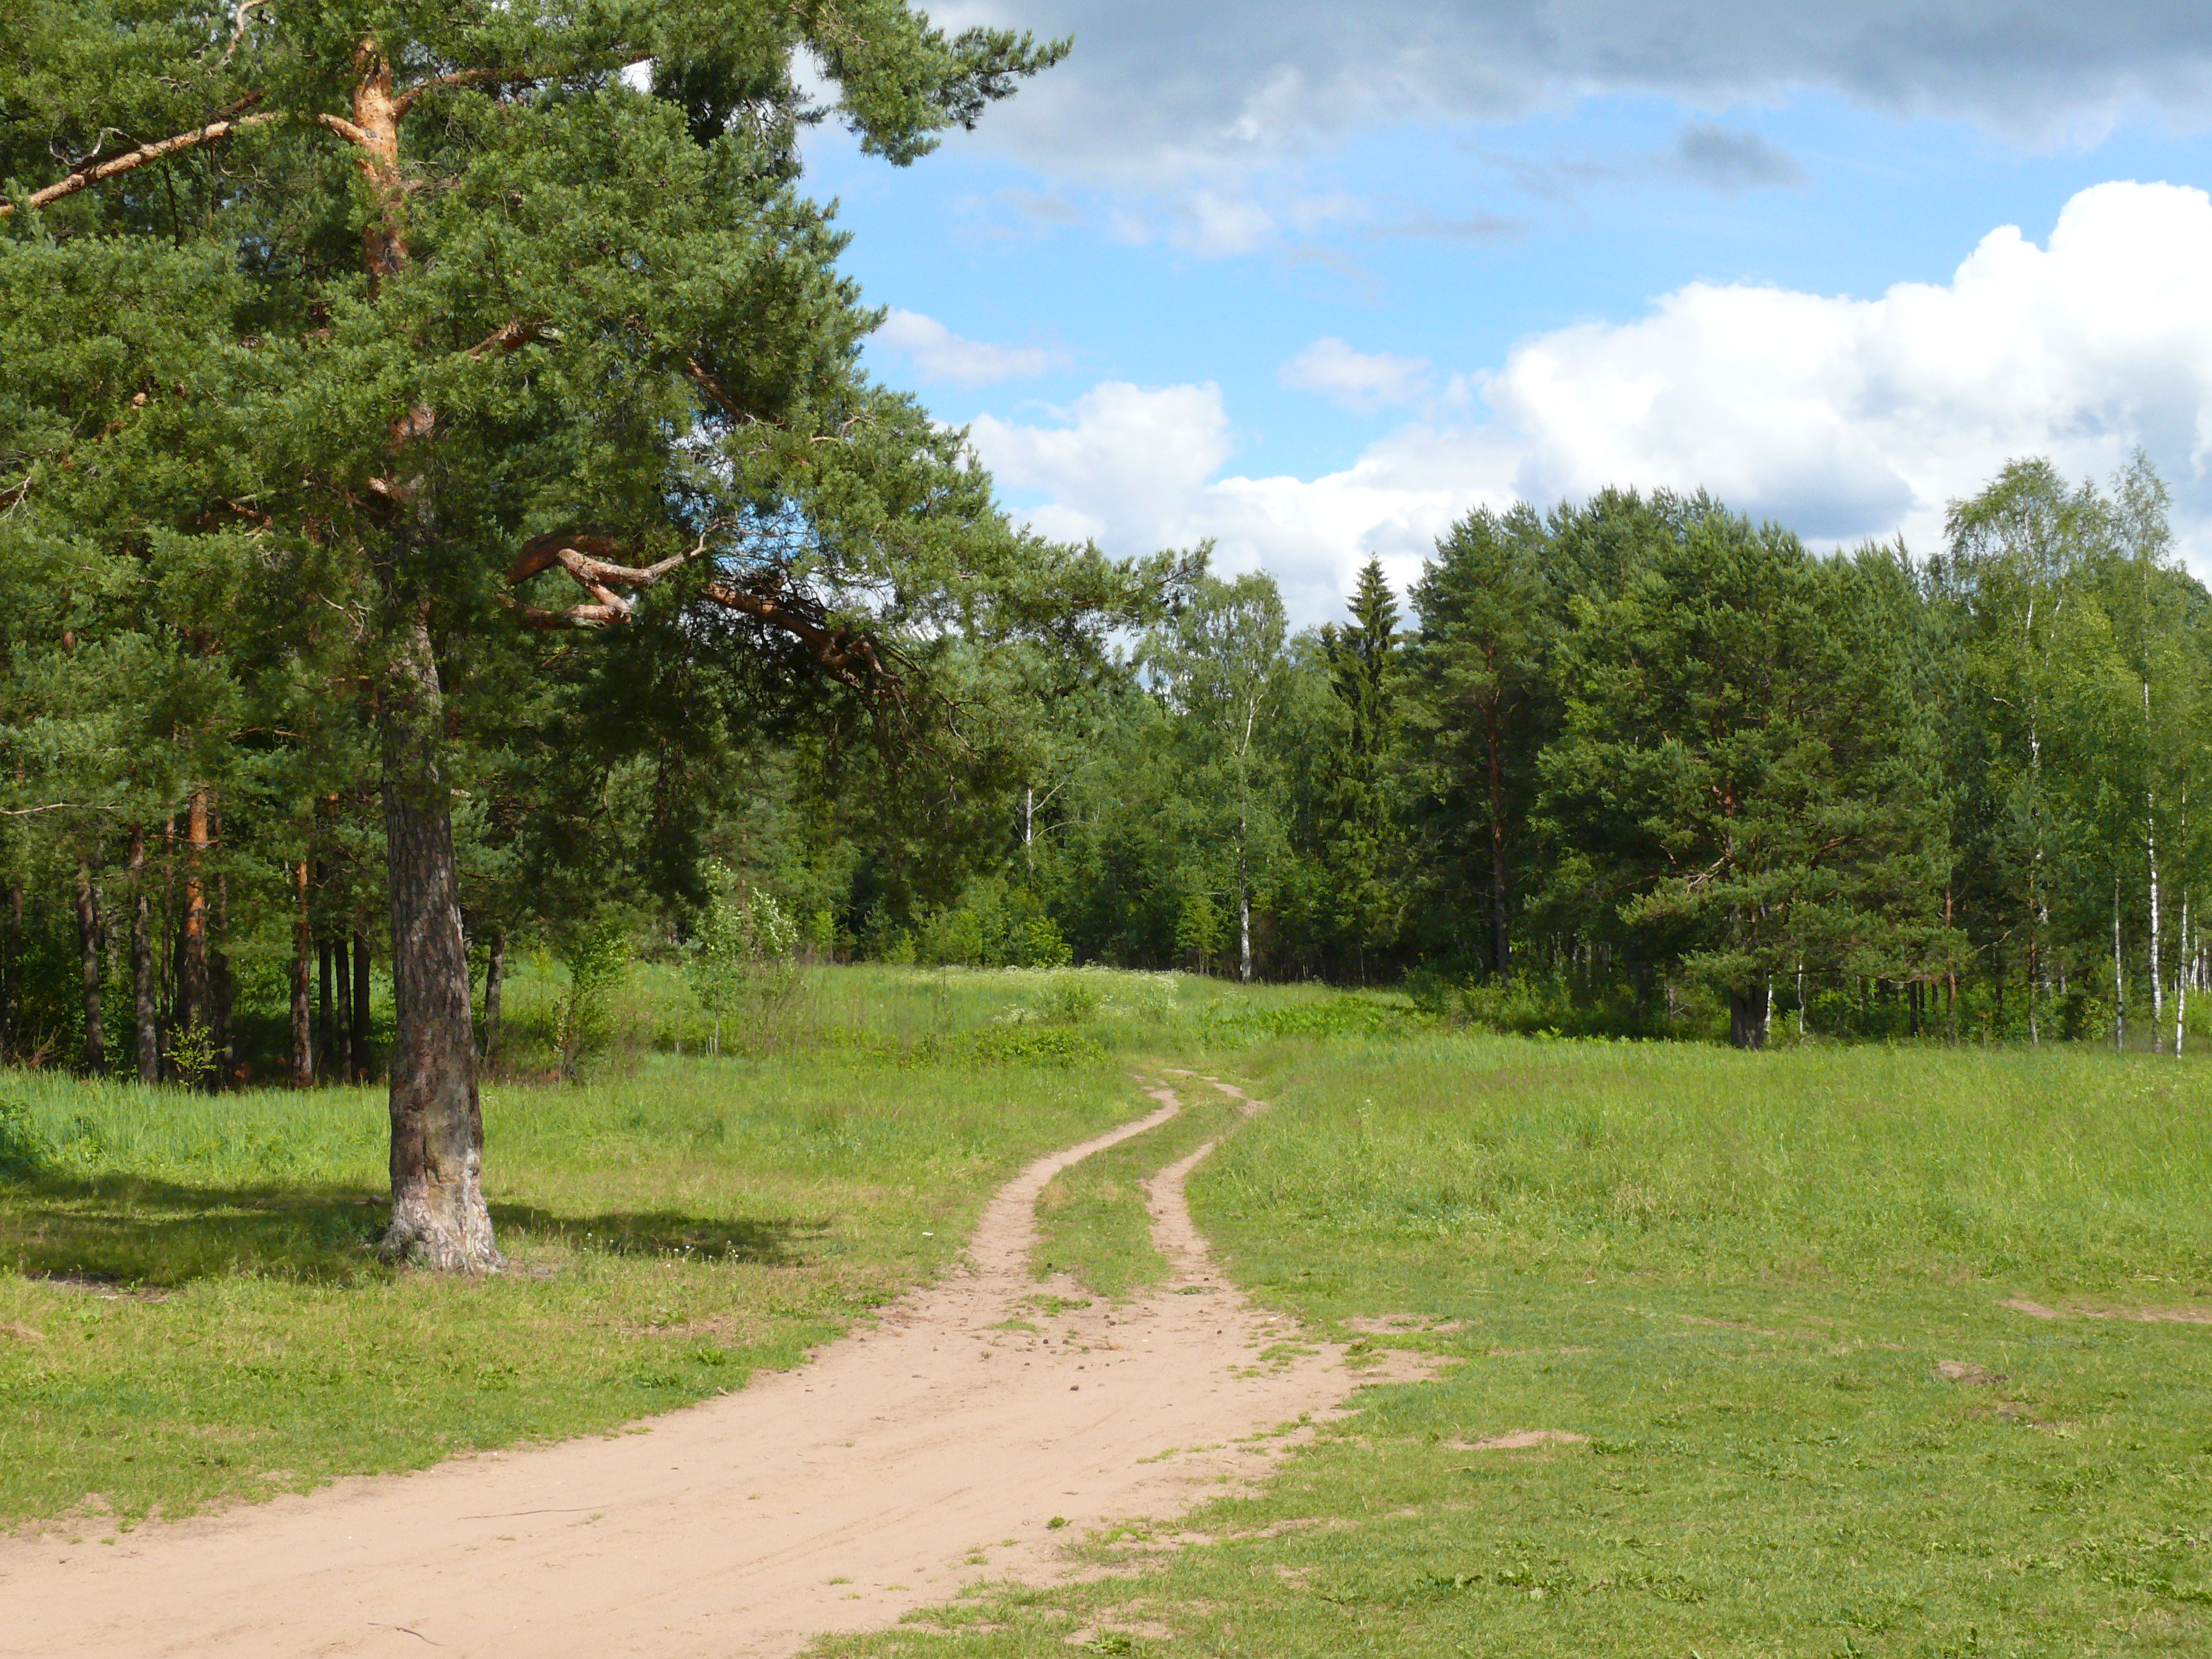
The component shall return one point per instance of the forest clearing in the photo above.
(1833, 1349)
(1456, 903)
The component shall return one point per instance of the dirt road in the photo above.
(906, 1460)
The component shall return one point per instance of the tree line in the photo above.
(1638, 764)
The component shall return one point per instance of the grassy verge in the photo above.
(1091, 1219)
(1765, 1294)
(192, 1316)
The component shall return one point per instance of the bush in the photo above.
(1033, 1045)
(1071, 999)
(598, 960)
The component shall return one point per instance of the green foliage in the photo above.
(596, 958)
(1033, 1045)
(1071, 999)
(1341, 1015)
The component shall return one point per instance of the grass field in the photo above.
(1760, 1301)
(1765, 1295)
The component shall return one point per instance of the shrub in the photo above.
(1071, 999)
(598, 959)
(1033, 1045)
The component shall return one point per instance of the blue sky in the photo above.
(1313, 289)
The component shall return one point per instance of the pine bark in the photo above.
(495, 986)
(144, 1025)
(87, 938)
(303, 942)
(438, 1216)
(1747, 1021)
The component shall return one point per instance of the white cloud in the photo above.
(939, 353)
(1125, 466)
(1360, 381)
(1842, 418)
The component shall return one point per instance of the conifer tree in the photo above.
(477, 321)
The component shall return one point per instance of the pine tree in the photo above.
(469, 331)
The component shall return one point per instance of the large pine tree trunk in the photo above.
(439, 1218)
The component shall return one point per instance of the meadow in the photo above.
(1827, 1350)
(1728, 1362)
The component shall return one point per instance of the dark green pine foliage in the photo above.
(1745, 780)
(1479, 708)
(1358, 851)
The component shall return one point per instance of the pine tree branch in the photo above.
(512, 337)
(345, 129)
(851, 658)
(84, 178)
(497, 77)
(244, 10)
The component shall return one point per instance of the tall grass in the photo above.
(1866, 1161)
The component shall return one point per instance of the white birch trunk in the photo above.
(2157, 976)
(2119, 978)
(2181, 975)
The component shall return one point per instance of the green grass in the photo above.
(899, 1012)
(192, 1317)
(1742, 1279)
(1091, 1218)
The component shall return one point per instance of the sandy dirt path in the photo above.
(905, 1460)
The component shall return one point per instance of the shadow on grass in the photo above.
(128, 1231)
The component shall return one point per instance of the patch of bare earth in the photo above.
(1522, 1440)
(2144, 1315)
(932, 1450)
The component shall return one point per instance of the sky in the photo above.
(1312, 281)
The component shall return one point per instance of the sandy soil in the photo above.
(905, 1460)
(2144, 1315)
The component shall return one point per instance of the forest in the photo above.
(1635, 766)
(463, 525)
